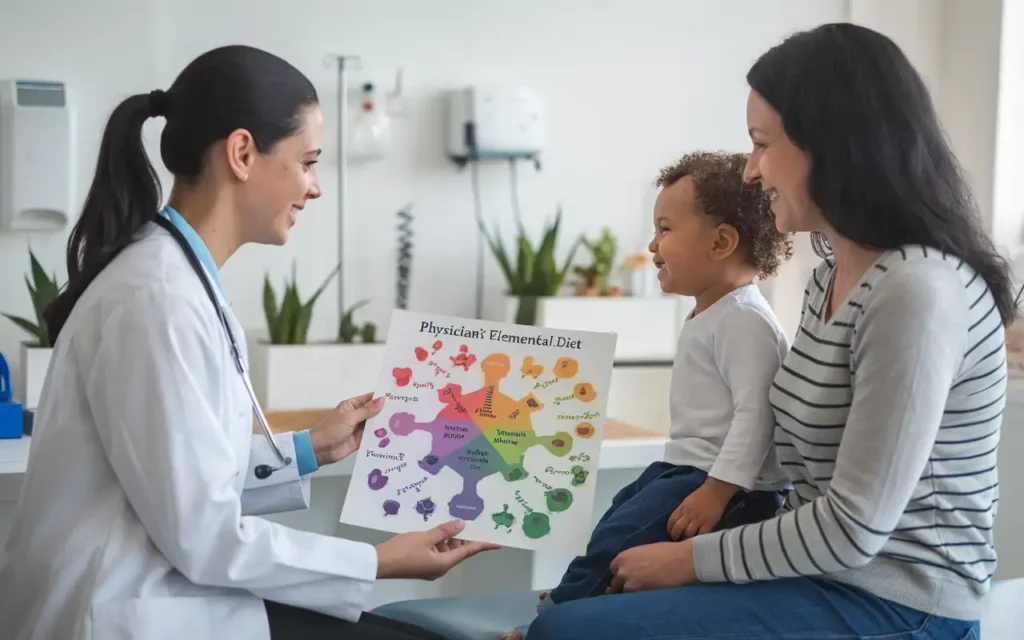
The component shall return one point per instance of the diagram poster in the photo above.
(497, 424)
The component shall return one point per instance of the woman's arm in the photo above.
(908, 349)
(149, 392)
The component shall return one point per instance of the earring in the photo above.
(245, 177)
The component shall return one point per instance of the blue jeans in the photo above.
(639, 515)
(790, 609)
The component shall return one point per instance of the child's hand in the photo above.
(700, 512)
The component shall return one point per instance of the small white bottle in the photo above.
(371, 129)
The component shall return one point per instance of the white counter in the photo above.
(619, 453)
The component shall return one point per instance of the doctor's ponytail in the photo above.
(227, 88)
(123, 198)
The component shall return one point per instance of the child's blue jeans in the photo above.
(639, 515)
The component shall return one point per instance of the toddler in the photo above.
(713, 236)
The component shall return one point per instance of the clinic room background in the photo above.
(614, 91)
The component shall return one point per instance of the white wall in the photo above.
(628, 87)
(1008, 200)
(968, 96)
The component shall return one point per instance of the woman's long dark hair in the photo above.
(881, 169)
(229, 88)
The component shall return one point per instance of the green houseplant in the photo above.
(348, 329)
(535, 273)
(594, 277)
(42, 290)
(288, 322)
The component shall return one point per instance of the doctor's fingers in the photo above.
(444, 545)
(354, 415)
(355, 401)
(452, 544)
(464, 551)
(445, 531)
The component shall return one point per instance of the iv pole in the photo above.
(342, 62)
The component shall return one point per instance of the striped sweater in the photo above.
(887, 423)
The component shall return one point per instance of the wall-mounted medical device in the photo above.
(494, 122)
(36, 155)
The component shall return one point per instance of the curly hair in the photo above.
(723, 195)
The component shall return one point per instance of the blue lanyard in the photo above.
(6, 393)
(197, 245)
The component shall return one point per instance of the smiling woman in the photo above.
(270, 130)
(889, 406)
(143, 458)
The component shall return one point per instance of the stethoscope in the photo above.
(261, 471)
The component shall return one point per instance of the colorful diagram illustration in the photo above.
(481, 433)
(461, 416)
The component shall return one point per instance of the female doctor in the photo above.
(139, 513)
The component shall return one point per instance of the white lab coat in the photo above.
(137, 517)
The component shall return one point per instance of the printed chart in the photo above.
(497, 424)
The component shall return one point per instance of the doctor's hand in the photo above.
(339, 433)
(426, 555)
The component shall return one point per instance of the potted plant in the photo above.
(288, 323)
(35, 352)
(647, 329)
(594, 279)
(290, 372)
(535, 275)
(349, 331)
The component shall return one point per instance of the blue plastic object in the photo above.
(11, 420)
(466, 617)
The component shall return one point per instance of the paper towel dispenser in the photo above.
(36, 155)
(494, 122)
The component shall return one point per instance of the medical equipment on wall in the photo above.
(493, 124)
(344, 64)
(262, 471)
(36, 155)
(371, 129)
(396, 106)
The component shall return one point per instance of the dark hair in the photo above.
(723, 195)
(229, 88)
(881, 169)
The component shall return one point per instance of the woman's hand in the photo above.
(661, 565)
(339, 433)
(426, 555)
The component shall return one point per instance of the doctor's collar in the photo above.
(197, 246)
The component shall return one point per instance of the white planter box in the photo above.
(35, 362)
(638, 396)
(647, 328)
(312, 376)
